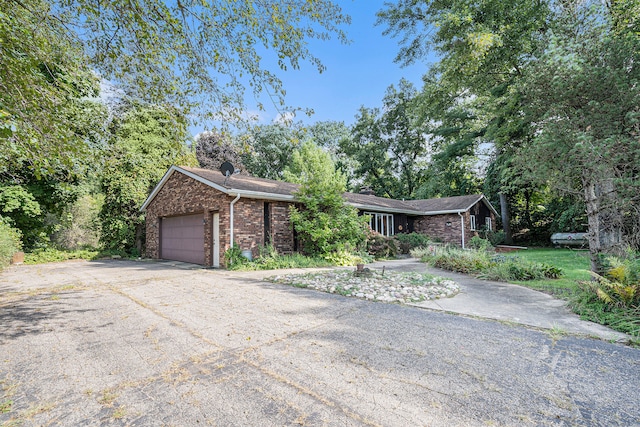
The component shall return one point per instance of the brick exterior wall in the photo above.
(182, 195)
(281, 229)
(436, 225)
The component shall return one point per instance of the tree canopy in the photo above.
(196, 56)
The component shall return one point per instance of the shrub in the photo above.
(380, 246)
(620, 285)
(486, 266)
(460, 260)
(45, 255)
(480, 244)
(409, 241)
(234, 258)
(494, 237)
(10, 242)
(342, 258)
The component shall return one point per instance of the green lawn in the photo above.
(574, 264)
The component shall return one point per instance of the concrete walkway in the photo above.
(504, 302)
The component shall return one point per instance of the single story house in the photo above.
(194, 215)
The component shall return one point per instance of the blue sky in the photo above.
(357, 74)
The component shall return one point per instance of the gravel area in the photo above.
(375, 285)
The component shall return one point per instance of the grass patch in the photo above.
(575, 266)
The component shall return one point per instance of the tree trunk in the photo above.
(604, 219)
(504, 214)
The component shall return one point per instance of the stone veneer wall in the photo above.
(182, 195)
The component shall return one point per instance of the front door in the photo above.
(216, 240)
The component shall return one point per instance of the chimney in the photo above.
(367, 191)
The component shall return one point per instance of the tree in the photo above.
(556, 81)
(45, 86)
(193, 55)
(483, 49)
(213, 149)
(389, 146)
(267, 149)
(454, 131)
(583, 96)
(323, 222)
(331, 135)
(146, 141)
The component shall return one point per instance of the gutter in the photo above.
(462, 223)
(231, 218)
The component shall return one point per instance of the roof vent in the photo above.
(367, 191)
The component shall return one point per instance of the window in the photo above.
(382, 223)
(487, 223)
(473, 222)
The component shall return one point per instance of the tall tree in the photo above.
(557, 80)
(389, 146)
(198, 56)
(215, 148)
(45, 85)
(584, 97)
(267, 149)
(146, 141)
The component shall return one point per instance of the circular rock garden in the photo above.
(374, 285)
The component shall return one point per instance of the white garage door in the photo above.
(182, 238)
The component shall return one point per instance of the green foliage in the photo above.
(343, 258)
(380, 246)
(80, 224)
(408, 241)
(10, 242)
(486, 265)
(324, 223)
(388, 146)
(269, 259)
(620, 286)
(310, 162)
(267, 149)
(481, 244)
(514, 268)
(494, 237)
(146, 141)
(234, 259)
(46, 88)
(45, 255)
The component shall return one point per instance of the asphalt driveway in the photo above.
(135, 343)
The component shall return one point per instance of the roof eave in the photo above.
(261, 195)
(383, 209)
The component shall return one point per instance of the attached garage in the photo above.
(182, 238)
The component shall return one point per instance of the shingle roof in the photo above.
(456, 203)
(270, 189)
(245, 182)
(367, 201)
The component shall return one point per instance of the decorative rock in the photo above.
(390, 287)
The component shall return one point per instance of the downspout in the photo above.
(231, 218)
(461, 223)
